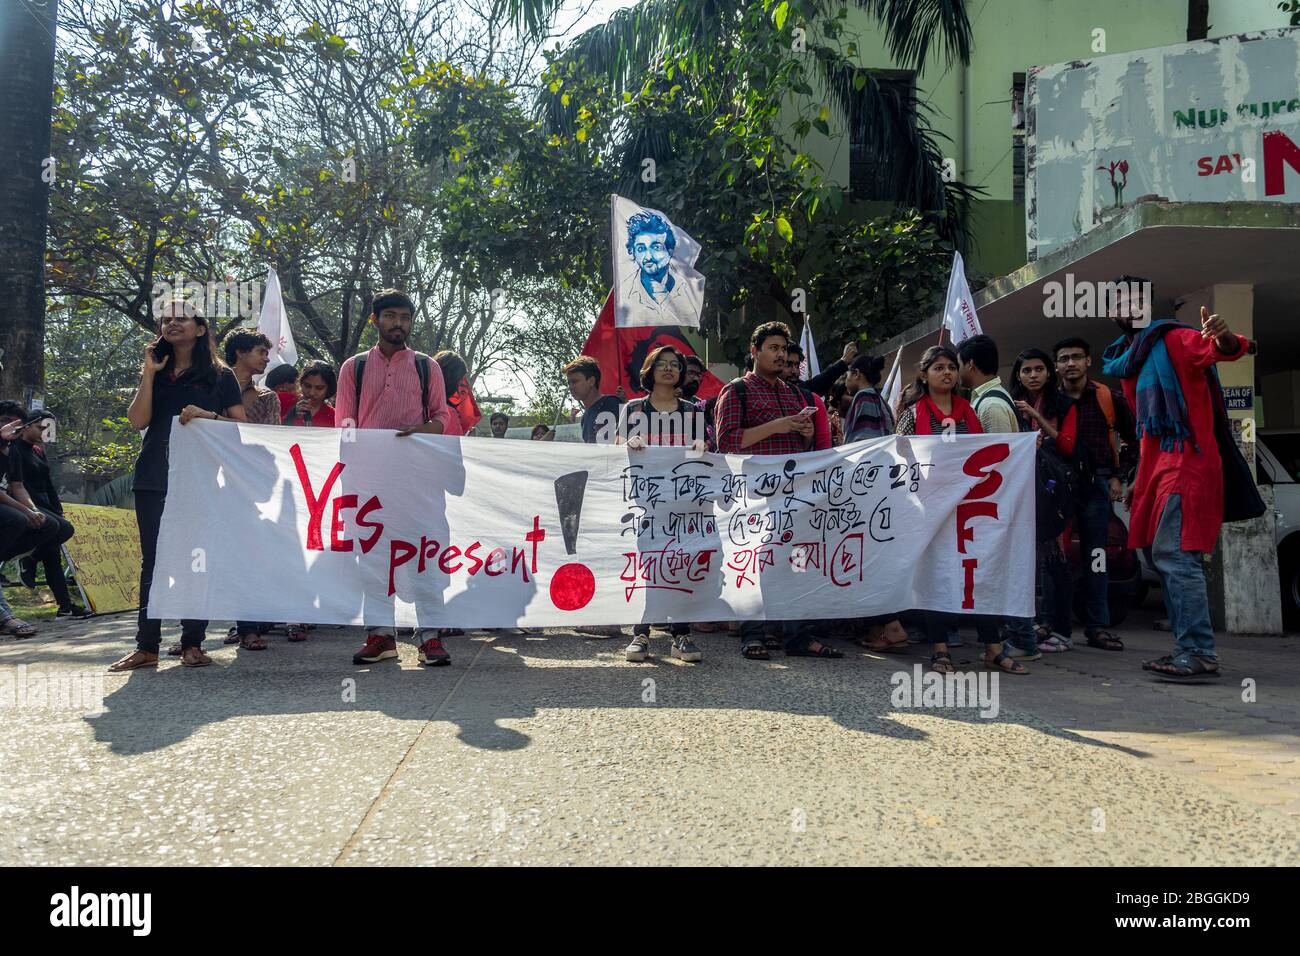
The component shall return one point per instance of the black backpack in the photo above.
(421, 368)
(1057, 493)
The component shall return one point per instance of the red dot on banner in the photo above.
(572, 587)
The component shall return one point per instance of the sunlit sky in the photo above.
(576, 16)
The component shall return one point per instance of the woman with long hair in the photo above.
(182, 375)
(316, 386)
(933, 407)
(869, 416)
(662, 418)
(1034, 390)
(460, 398)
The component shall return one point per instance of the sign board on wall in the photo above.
(1211, 121)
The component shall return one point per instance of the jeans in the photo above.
(1182, 580)
(148, 635)
(1019, 632)
(677, 630)
(1092, 521)
(797, 634)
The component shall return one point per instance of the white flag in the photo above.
(274, 324)
(892, 390)
(655, 282)
(959, 314)
(809, 366)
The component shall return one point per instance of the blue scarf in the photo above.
(1161, 410)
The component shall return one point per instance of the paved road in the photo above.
(550, 748)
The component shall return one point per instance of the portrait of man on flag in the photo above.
(655, 279)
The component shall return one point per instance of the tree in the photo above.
(719, 98)
(26, 88)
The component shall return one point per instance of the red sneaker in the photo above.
(433, 654)
(378, 647)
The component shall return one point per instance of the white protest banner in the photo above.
(362, 527)
(959, 316)
(655, 282)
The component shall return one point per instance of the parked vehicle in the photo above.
(1277, 463)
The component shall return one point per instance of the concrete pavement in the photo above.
(551, 749)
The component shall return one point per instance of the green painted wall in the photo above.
(1010, 37)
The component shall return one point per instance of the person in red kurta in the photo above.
(1167, 370)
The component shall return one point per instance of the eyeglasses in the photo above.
(1070, 359)
(670, 366)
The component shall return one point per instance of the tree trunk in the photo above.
(26, 103)
(1198, 19)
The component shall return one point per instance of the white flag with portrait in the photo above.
(655, 282)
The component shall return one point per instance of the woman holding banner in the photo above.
(661, 418)
(931, 406)
(182, 375)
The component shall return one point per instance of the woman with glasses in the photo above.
(661, 418)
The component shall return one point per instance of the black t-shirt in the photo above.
(169, 397)
(29, 467)
(603, 415)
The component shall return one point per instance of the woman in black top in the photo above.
(182, 375)
(30, 484)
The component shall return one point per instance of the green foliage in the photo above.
(882, 277)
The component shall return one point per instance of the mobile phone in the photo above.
(808, 411)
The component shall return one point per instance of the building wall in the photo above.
(1009, 37)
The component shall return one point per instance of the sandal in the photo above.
(251, 642)
(198, 659)
(1150, 665)
(175, 650)
(297, 633)
(1186, 668)
(706, 627)
(881, 643)
(450, 632)
(132, 661)
(941, 663)
(18, 628)
(1000, 661)
(232, 635)
(823, 650)
(1106, 640)
(755, 651)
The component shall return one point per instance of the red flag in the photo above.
(622, 352)
(462, 402)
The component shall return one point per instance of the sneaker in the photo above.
(433, 654)
(1019, 653)
(378, 647)
(27, 572)
(639, 649)
(684, 649)
(73, 612)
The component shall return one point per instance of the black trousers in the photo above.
(148, 636)
(18, 537)
(938, 624)
(50, 555)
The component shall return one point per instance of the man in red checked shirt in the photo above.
(401, 389)
(1177, 505)
(762, 414)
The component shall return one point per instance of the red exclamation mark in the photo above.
(573, 585)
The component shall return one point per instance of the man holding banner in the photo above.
(761, 414)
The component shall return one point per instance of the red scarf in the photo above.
(462, 402)
(961, 409)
